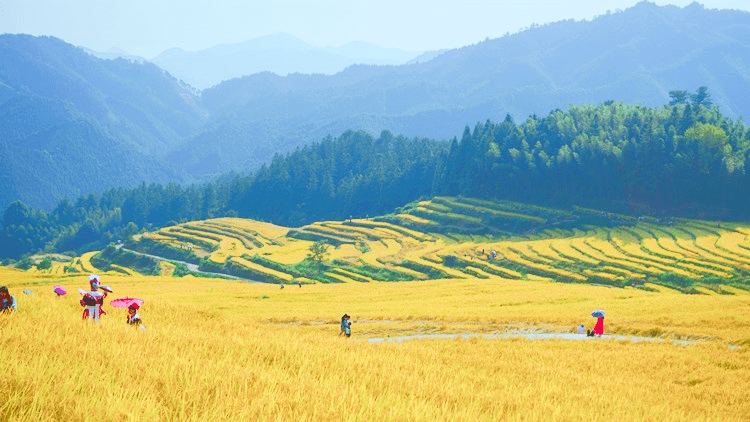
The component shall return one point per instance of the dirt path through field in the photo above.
(191, 267)
(526, 335)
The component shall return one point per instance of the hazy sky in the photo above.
(147, 27)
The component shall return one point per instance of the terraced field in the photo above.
(461, 238)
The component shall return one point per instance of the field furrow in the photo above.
(263, 269)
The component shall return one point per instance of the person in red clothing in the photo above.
(599, 327)
(133, 317)
(7, 302)
(92, 301)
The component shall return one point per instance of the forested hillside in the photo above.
(635, 56)
(66, 114)
(73, 124)
(683, 159)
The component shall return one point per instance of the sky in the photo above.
(147, 27)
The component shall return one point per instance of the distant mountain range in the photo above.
(71, 124)
(635, 56)
(281, 54)
(64, 112)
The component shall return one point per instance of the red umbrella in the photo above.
(60, 290)
(125, 302)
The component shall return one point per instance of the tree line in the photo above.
(681, 159)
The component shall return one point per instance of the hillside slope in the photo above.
(456, 238)
(635, 56)
(163, 130)
(65, 112)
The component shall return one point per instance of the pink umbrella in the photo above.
(81, 291)
(124, 302)
(59, 290)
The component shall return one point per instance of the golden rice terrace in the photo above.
(450, 238)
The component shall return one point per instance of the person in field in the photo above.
(93, 300)
(7, 302)
(346, 326)
(599, 327)
(133, 317)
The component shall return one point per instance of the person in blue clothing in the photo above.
(7, 302)
(346, 326)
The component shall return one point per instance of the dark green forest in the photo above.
(682, 159)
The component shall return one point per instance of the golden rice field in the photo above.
(219, 349)
(237, 351)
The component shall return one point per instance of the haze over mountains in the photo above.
(74, 123)
(280, 54)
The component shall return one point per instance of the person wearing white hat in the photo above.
(93, 300)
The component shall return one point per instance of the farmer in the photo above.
(346, 326)
(599, 327)
(133, 317)
(92, 301)
(7, 302)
